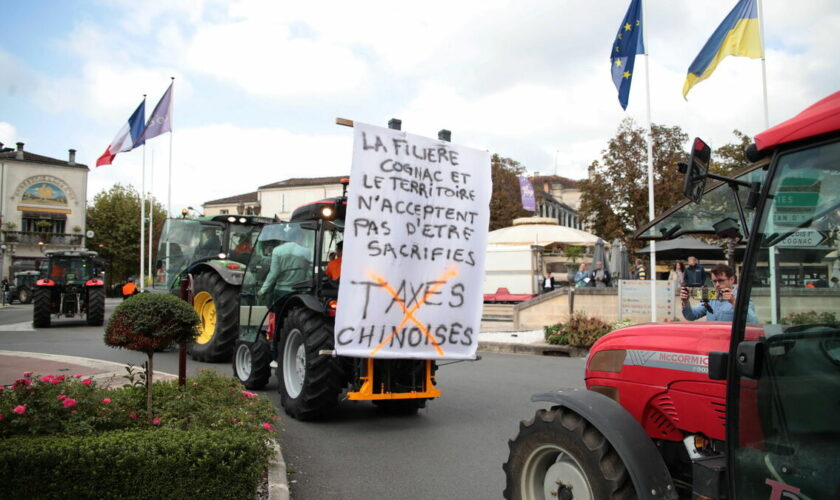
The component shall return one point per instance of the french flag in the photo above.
(124, 141)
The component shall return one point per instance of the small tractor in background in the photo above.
(210, 253)
(712, 410)
(23, 285)
(289, 314)
(69, 286)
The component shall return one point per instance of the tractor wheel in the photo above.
(252, 363)
(42, 308)
(96, 306)
(310, 383)
(24, 296)
(559, 454)
(217, 305)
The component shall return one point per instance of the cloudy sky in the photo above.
(260, 83)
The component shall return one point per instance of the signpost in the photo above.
(634, 299)
(805, 238)
(415, 238)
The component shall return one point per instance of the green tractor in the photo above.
(210, 253)
(23, 285)
(69, 286)
(287, 314)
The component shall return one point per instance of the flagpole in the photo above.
(774, 292)
(171, 133)
(143, 220)
(151, 213)
(651, 207)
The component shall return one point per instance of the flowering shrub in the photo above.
(809, 318)
(78, 407)
(556, 334)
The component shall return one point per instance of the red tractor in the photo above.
(70, 286)
(718, 409)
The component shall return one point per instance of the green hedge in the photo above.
(160, 464)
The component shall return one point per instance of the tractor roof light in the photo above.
(327, 212)
(222, 256)
(231, 219)
(243, 220)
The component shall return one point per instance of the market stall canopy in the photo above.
(682, 248)
(542, 231)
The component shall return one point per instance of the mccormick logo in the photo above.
(696, 363)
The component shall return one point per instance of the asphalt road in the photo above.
(452, 449)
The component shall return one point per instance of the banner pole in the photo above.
(651, 206)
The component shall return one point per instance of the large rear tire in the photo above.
(42, 308)
(217, 305)
(252, 362)
(24, 296)
(96, 306)
(309, 382)
(559, 454)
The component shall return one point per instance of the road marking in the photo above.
(26, 326)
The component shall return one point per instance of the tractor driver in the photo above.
(334, 265)
(210, 244)
(290, 264)
(722, 308)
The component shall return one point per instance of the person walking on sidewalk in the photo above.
(695, 275)
(5, 290)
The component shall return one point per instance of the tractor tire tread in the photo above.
(42, 308)
(226, 300)
(96, 306)
(260, 363)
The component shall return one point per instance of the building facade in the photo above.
(278, 199)
(560, 200)
(43, 203)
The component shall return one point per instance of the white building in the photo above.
(43, 204)
(278, 199)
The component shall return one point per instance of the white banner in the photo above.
(414, 242)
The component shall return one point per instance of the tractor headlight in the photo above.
(327, 212)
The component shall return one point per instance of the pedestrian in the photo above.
(640, 271)
(721, 308)
(129, 289)
(548, 283)
(694, 275)
(600, 277)
(6, 289)
(333, 270)
(583, 276)
(677, 273)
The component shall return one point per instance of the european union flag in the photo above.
(628, 43)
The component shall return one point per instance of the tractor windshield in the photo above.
(788, 403)
(69, 270)
(178, 243)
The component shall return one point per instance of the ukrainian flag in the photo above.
(737, 35)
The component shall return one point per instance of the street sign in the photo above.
(797, 199)
(806, 238)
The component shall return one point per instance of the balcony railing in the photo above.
(35, 237)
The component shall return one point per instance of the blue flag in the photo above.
(529, 202)
(628, 43)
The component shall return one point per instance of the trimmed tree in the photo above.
(148, 323)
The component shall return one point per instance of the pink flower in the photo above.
(248, 394)
(78, 375)
(1, 416)
(86, 382)
(132, 416)
(233, 419)
(46, 378)
(155, 421)
(20, 409)
(55, 381)
(106, 401)
(1, 388)
(69, 403)
(27, 374)
(268, 427)
(62, 397)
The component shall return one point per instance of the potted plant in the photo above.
(77, 228)
(9, 229)
(43, 227)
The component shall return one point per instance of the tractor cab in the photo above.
(184, 242)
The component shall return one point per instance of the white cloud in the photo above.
(221, 160)
(8, 135)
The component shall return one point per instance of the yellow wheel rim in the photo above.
(206, 309)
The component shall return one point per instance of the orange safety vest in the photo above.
(129, 288)
(334, 268)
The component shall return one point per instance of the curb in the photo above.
(542, 349)
(278, 483)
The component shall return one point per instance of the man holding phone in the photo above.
(723, 307)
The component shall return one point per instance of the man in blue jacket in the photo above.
(694, 274)
(722, 308)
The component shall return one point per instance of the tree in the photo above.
(730, 158)
(506, 201)
(114, 217)
(614, 198)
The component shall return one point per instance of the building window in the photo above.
(42, 225)
(224, 211)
